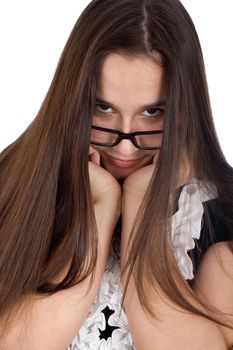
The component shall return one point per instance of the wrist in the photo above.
(108, 206)
(131, 202)
(112, 193)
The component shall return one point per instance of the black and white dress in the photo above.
(106, 326)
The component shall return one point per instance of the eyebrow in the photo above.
(153, 104)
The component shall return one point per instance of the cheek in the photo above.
(103, 120)
(151, 154)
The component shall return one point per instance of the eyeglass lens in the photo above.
(148, 140)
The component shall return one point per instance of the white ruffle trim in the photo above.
(110, 294)
(186, 223)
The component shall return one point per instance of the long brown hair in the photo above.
(46, 213)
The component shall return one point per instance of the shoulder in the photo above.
(219, 258)
(214, 282)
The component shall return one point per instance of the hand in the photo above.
(137, 183)
(103, 184)
(106, 197)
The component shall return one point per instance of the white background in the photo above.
(33, 34)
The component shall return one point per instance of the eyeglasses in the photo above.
(147, 140)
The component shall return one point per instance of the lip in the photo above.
(123, 163)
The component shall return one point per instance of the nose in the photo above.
(126, 148)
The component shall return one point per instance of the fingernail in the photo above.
(98, 159)
(155, 158)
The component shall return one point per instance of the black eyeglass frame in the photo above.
(121, 136)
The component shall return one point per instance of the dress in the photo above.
(106, 326)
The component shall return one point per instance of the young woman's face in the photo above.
(129, 92)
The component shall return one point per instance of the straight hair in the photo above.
(46, 213)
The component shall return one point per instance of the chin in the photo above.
(120, 174)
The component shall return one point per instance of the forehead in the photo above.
(125, 77)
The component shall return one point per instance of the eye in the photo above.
(155, 111)
(103, 108)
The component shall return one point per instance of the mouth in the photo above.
(121, 163)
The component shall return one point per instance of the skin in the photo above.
(215, 283)
(129, 83)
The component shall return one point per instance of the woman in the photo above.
(124, 141)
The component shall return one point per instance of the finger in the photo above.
(94, 156)
(91, 150)
(155, 158)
